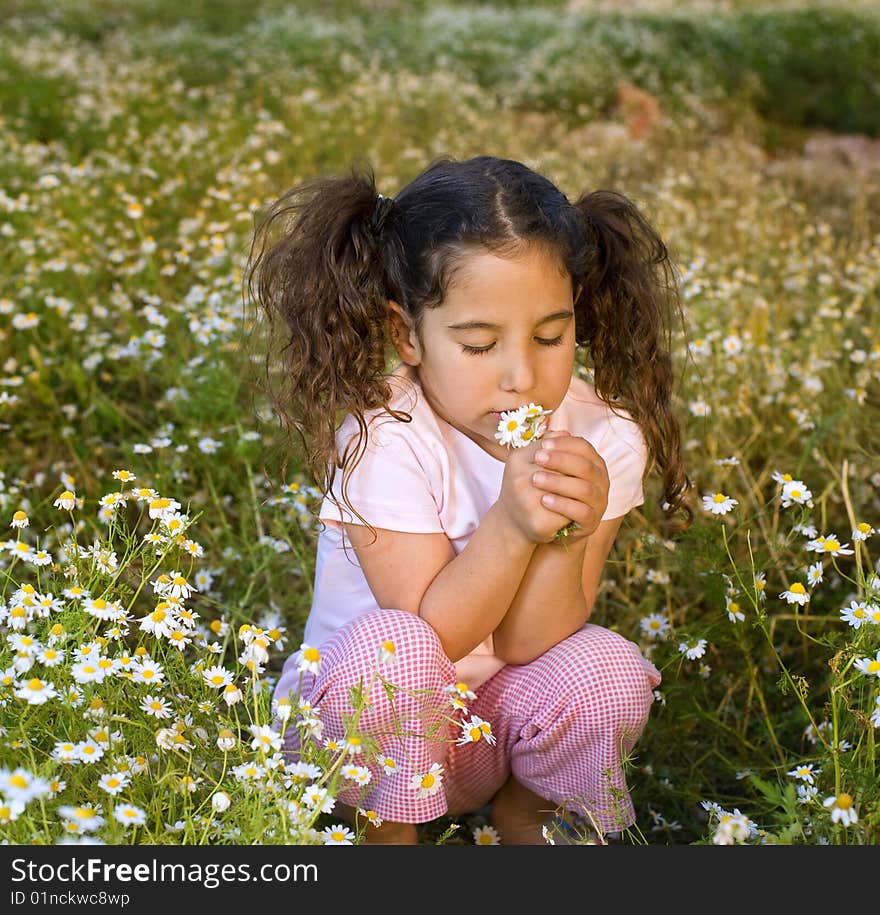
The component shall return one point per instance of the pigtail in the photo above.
(315, 269)
(625, 318)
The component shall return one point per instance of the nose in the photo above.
(518, 374)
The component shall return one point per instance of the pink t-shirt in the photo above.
(426, 477)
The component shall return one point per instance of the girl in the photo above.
(480, 278)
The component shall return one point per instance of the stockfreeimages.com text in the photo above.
(208, 875)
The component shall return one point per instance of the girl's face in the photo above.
(503, 337)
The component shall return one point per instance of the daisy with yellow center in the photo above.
(156, 706)
(842, 809)
(829, 544)
(36, 691)
(218, 677)
(429, 783)
(359, 774)
(114, 782)
(387, 652)
(474, 730)
(353, 744)
(10, 810)
(516, 428)
(338, 835)
(84, 819)
(370, 816)
(718, 503)
(310, 659)
(161, 507)
(832, 545)
(486, 835)
(283, 709)
(129, 815)
(148, 671)
(796, 594)
(462, 690)
(225, 740)
(869, 666)
(66, 501)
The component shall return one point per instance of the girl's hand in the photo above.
(573, 481)
(573, 475)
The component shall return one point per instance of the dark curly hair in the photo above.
(329, 254)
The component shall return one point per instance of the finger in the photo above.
(576, 444)
(572, 463)
(571, 510)
(569, 487)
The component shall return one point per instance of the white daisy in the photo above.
(794, 491)
(309, 660)
(814, 574)
(370, 816)
(842, 809)
(114, 782)
(429, 783)
(486, 835)
(804, 772)
(85, 819)
(829, 544)
(474, 730)
(36, 691)
(692, 652)
(387, 653)
(655, 626)
(157, 706)
(718, 503)
(796, 594)
(218, 677)
(129, 815)
(869, 666)
(734, 611)
(359, 774)
(318, 799)
(856, 614)
(337, 835)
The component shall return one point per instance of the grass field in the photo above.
(137, 145)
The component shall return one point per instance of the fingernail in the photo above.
(541, 457)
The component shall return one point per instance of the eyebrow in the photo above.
(485, 325)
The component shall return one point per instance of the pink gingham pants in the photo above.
(563, 723)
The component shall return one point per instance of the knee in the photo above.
(394, 639)
(611, 680)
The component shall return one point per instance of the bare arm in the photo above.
(556, 595)
(558, 589)
(463, 597)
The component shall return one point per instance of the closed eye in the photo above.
(480, 350)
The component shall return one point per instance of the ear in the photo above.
(403, 334)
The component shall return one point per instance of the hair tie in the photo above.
(383, 207)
